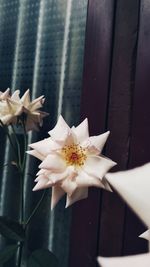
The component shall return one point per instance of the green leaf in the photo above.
(42, 258)
(11, 229)
(7, 253)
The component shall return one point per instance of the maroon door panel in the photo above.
(115, 96)
(140, 133)
(98, 47)
(113, 215)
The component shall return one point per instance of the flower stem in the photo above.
(35, 209)
(19, 255)
(20, 166)
(20, 163)
(25, 144)
(18, 145)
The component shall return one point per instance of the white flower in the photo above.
(134, 187)
(71, 161)
(34, 116)
(4, 95)
(141, 260)
(11, 107)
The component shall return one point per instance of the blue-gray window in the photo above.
(41, 48)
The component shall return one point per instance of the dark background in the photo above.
(115, 96)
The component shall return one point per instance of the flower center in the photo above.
(74, 155)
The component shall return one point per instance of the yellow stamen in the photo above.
(74, 155)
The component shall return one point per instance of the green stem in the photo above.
(18, 145)
(22, 196)
(10, 141)
(21, 173)
(25, 144)
(21, 168)
(19, 258)
(35, 209)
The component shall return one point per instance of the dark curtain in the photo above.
(41, 48)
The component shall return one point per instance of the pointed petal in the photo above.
(7, 92)
(15, 108)
(98, 166)
(133, 186)
(85, 180)
(38, 178)
(15, 96)
(25, 99)
(61, 131)
(42, 171)
(106, 185)
(45, 146)
(95, 144)
(43, 177)
(57, 194)
(35, 154)
(69, 185)
(41, 184)
(4, 95)
(36, 103)
(79, 194)
(54, 163)
(141, 260)
(146, 235)
(81, 131)
(6, 119)
(57, 177)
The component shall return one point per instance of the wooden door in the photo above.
(115, 96)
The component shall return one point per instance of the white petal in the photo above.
(54, 163)
(81, 131)
(36, 103)
(98, 166)
(41, 184)
(80, 193)
(145, 235)
(43, 171)
(15, 95)
(106, 185)
(69, 185)
(141, 260)
(61, 131)
(7, 119)
(15, 108)
(42, 177)
(57, 177)
(45, 146)
(57, 194)
(25, 99)
(36, 154)
(134, 187)
(85, 180)
(4, 95)
(95, 144)
(37, 179)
